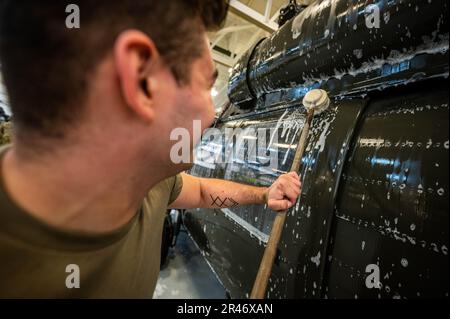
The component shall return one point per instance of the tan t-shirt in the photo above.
(34, 256)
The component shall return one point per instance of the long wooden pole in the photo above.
(265, 268)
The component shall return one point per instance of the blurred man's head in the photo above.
(133, 71)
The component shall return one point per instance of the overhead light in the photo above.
(214, 92)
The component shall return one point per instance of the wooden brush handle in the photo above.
(265, 268)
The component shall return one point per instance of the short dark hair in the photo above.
(46, 66)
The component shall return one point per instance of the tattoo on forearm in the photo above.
(227, 202)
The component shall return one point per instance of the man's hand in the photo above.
(284, 192)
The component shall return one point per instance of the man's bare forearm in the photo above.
(217, 193)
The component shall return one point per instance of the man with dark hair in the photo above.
(85, 185)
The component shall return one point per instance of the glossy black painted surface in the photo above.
(329, 45)
(392, 207)
(375, 172)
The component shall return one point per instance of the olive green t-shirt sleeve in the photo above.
(176, 184)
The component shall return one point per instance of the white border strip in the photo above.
(252, 229)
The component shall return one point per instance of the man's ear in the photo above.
(136, 57)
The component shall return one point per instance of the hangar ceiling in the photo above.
(247, 22)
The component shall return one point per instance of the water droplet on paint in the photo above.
(404, 262)
(420, 189)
